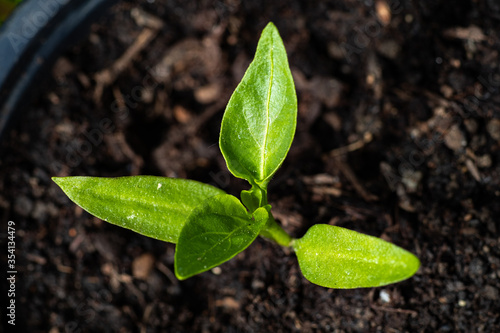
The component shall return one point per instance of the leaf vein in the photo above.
(220, 242)
(268, 102)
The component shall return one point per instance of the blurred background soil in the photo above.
(398, 136)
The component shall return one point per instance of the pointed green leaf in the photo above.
(153, 206)
(214, 233)
(335, 257)
(259, 122)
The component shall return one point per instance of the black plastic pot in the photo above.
(31, 39)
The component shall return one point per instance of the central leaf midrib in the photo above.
(218, 243)
(268, 102)
(144, 201)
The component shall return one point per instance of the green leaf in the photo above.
(335, 257)
(260, 119)
(254, 198)
(214, 233)
(156, 207)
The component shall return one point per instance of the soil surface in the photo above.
(398, 136)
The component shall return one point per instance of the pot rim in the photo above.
(31, 39)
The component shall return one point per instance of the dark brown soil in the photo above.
(398, 136)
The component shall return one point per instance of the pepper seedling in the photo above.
(209, 226)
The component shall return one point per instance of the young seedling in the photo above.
(209, 226)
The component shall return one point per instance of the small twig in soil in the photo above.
(108, 75)
(367, 138)
(145, 317)
(351, 177)
(144, 19)
(394, 310)
(472, 168)
(168, 273)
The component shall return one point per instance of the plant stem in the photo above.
(275, 232)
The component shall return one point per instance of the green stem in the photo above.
(275, 232)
